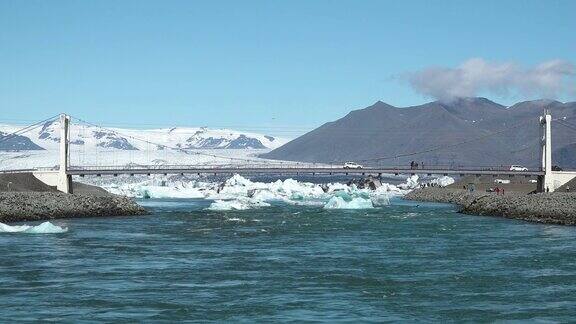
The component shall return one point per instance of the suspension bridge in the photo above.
(61, 176)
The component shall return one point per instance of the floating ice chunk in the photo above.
(44, 228)
(443, 181)
(337, 187)
(168, 192)
(355, 203)
(411, 183)
(238, 204)
(239, 193)
(238, 180)
(389, 190)
(13, 229)
(380, 200)
(227, 205)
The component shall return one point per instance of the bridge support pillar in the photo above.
(551, 180)
(64, 179)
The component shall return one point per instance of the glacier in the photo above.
(91, 137)
(94, 146)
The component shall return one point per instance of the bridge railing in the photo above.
(203, 166)
(139, 167)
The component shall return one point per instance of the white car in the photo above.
(352, 165)
(518, 168)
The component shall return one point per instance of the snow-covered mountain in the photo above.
(90, 137)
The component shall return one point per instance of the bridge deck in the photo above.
(292, 170)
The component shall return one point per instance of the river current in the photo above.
(402, 262)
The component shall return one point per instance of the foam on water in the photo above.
(44, 228)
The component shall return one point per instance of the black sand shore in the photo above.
(549, 208)
(25, 198)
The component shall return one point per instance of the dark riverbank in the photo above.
(34, 206)
(25, 198)
(549, 208)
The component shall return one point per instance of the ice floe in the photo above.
(354, 203)
(44, 228)
(239, 193)
(237, 204)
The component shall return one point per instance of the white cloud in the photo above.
(478, 76)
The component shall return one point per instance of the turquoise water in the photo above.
(286, 263)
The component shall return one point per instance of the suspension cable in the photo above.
(568, 125)
(26, 129)
(183, 150)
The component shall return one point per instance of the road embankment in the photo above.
(33, 206)
(549, 208)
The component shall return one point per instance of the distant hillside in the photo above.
(382, 130)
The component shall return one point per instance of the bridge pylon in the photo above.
(64, 179)
(546, 184)
(551, 180)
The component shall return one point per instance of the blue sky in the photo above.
(278, 66)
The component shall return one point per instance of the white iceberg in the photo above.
(238, 204)
(354, 203)
(239, 193)
(443, 181)
(168, 192)
(44, 228)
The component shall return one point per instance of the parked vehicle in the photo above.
(352, 165)
(518, 168)
(556, 168)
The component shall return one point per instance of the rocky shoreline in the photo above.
(548, 208)
(35, 206)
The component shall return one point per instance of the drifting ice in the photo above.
(355, 203)
(239, 204)
(168, 192)
(44, 228)
(239, 193)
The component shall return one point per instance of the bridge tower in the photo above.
(64, 179)
(547, 181)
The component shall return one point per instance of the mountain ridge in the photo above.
(91, 137)
(371, 133)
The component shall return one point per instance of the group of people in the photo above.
(414, 165)
(499, 191)
(426, 185)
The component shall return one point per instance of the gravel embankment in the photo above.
(550, 208)
(33, 206)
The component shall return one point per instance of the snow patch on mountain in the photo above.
(91, 137)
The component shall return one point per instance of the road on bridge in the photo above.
(289, 170)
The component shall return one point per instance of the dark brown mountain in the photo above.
(491, 135)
